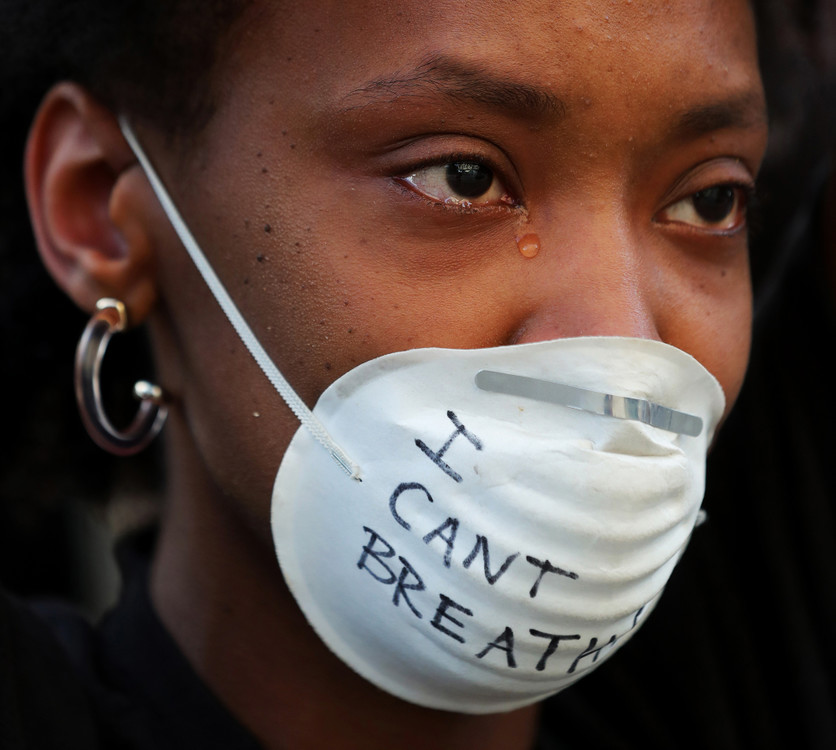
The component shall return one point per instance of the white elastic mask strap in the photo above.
(297, 406)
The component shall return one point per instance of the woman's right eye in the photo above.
(464, 183)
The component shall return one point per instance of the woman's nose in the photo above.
(593, 282)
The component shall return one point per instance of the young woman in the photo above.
(556, 192)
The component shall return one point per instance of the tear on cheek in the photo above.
(528, 245)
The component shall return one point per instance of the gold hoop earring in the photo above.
(111, 317)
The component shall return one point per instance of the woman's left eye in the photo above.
(720, 208)
(461, 183)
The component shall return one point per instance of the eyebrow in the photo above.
(741, 111)
(460, 81)
(442, 75)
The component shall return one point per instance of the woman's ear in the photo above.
(89, 203)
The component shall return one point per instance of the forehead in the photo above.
(334, 47)
(598, 65)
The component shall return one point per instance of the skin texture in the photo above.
(306, 192)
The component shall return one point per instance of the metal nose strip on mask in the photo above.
(605, 404)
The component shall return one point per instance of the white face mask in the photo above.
(495, 524)
(499, 546)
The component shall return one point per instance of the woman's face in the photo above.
(376, 174)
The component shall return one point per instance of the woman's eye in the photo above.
(721, 208)
(462, 183)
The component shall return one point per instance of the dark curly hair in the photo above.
(144, 56)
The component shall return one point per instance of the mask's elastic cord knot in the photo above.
(285, 390)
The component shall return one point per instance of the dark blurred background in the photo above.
(741, 650)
